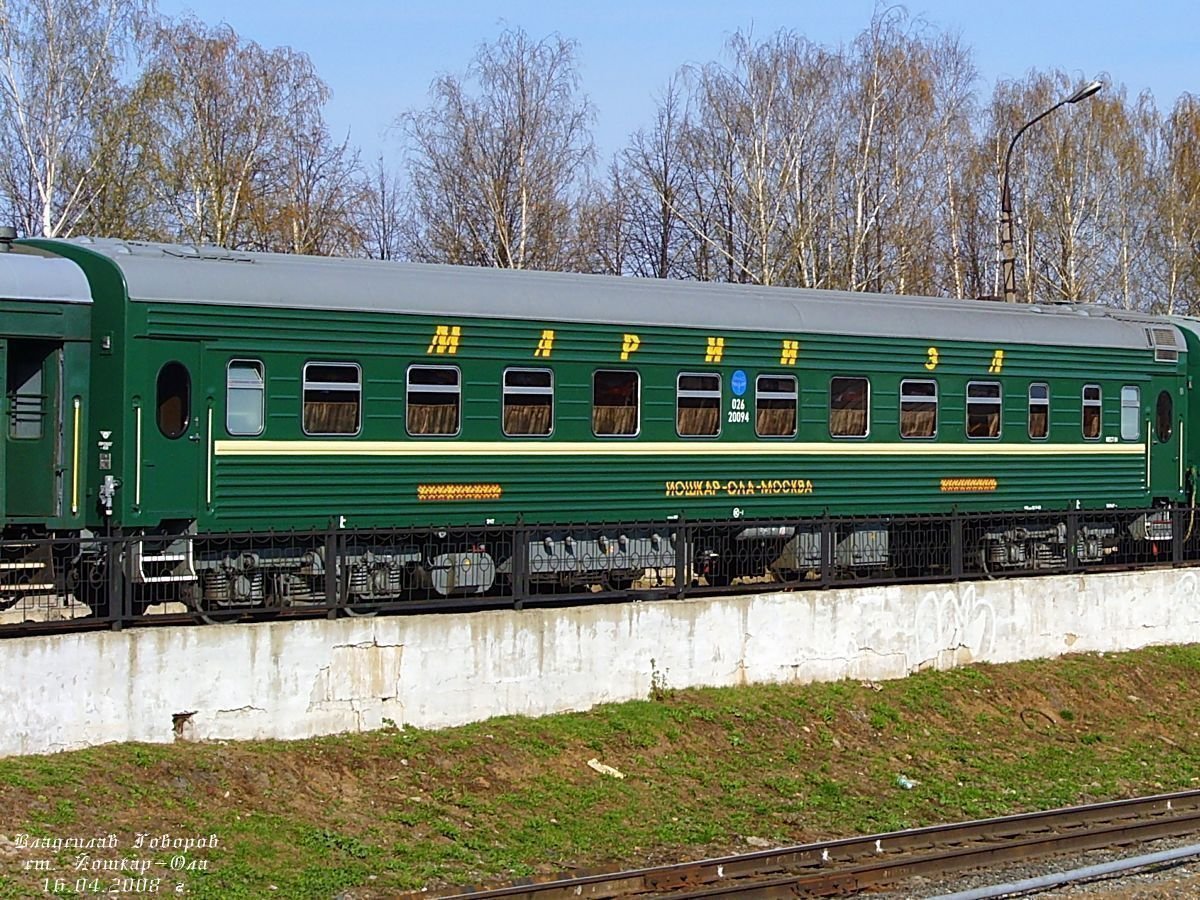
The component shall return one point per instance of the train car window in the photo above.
(332, 398)
(173, 400)
(698, 405)
(983, 409)
(245, 391)
(849, 403)
(615, 403)
(1163, 417)
(434, 398)
(27, 398)
(1092, 402)
(1131, 413)
(528, 402)
(918, 408)
(775, 399)
(1039, 411)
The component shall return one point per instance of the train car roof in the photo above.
(188, 274)
(49, 279)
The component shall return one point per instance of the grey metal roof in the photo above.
(1185, 323)
(42, 278)
(186, 274)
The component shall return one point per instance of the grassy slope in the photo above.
(367, 815)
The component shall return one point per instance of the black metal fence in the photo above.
(111, 582)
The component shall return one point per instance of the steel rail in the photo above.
(849, 864)
(1087, 873)
(939, 862)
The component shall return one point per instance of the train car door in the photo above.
(1165, 471)
(32, 428)
(170, 443)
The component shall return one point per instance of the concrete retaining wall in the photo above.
(299, 679)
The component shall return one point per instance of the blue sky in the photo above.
(379, 57)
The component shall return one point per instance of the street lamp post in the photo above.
(1008, 259)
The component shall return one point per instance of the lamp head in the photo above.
(1086, 91)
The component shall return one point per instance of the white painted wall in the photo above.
(299, 679)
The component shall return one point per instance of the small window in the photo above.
(983, 409)
(27, 398)
(244, 394)
(698, 405)
(1163, 417)
(1039, 411)
(528, 402)
(173, 401)
(849, 400)
(615, 403)
(332, 398)
(434, 395)
(775, 406)
(918, 408)
(1091, 412)
(1131, 413)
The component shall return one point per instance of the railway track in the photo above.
(845, 866)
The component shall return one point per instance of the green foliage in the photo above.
(883, 715)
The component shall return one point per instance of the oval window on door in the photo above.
(174, 399)
(1163, 417)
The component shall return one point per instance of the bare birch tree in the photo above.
(652, 175)
(909, 89)
(124, 196)
(749, 151)
(59, 79)
(803, 165)
(381, 213)
(496, 172)
(1177, 208)
(308, 201)
(227, 109)
(601, 243)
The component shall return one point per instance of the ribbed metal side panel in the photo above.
(383, 491)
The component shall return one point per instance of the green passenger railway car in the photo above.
(221, 390)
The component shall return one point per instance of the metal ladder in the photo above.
(175, 563)
(25, 569)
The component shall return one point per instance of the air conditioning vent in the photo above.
(1165, 337)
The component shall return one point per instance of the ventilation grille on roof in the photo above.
(1166, 347)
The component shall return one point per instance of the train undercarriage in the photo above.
(44, 577)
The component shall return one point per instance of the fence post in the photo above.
(1072, 539)
(333, 555)
(683, 557)
(119, 601)
(520, 563)
(827, 533)
(1176, 534)
(956, 545)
